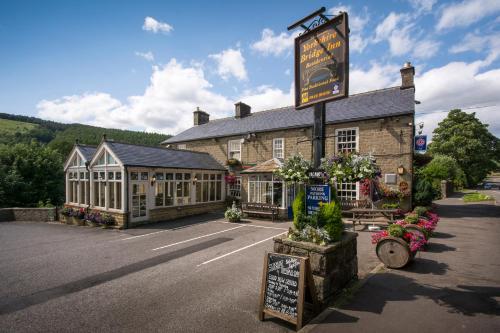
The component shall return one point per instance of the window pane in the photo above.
(205, 177)
(169, 176)
(118, 195)
(82, 175)
(278, 194)
(169, 194)
(134, 176)
(198, 192)
(178, 176)
(102, 175)
(81, 192)
(187, 176)
(159, 189)
(96, 193)
(205, 191)
(187, 192)
(212, 191)
(144, 176)
(102, 194)
(111, 175)
(118, 175)
(219, 191)
(110, 159)
(160, 176)
(111, 194)
(179, 189)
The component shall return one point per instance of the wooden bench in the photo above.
(372, 214)
(260, 209)
(348, 205)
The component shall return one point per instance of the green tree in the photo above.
(444, 167)
(30, 173)
(463, 137)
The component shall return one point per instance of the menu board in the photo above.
(322, 63)
(283, 287)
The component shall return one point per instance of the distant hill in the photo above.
(19, 129)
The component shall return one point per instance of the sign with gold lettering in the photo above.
(322, 63)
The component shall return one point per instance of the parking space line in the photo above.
(255, 225)
(151, 233)
(238, 250)
(192, 239)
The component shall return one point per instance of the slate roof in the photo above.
(374, 104)
(147, 156)
(87, 151)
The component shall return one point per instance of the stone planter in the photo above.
(80, 222)
(69, 220)
(91, 224)
(333, 266)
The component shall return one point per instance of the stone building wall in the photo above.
(28, 214)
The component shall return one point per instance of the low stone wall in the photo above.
(28, 214)
(170, 213)
(120, 218)
(333, 266)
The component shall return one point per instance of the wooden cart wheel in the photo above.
(415, 229)
(393, 252)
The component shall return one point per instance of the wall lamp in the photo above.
(195, 179)
(401, 170)
(153, 180)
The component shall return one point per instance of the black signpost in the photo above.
(321, 68)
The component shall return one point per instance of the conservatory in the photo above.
(137, 184)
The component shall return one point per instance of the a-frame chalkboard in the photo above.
(284, 281)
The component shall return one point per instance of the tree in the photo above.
(30, 173)
(444, 167)
(463, 137)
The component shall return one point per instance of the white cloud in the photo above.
(166, 106)
(230, 62)
(466, 12)
(402, 34)
(268, 97)
(376, 77)
(422, 6)
(150, 24)
(271, 44)
(149, 56)
(459, 85)
(425, 48)
(477, 42)
(357, 23)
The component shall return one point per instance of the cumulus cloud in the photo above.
(422, 6)
(268, 97)
(230, 62)
(272, 44)
(459, 85)
(149, 56)
(166, 105)
(400, 31)
(465, 13)
(377, 76)
(154, 26)
(477, 42)
(357, 23)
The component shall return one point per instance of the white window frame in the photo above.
(182, 146)
(230, 151)
(235, 188)
(356, 142)
(346, 129)
(257, 183)
(282, 148)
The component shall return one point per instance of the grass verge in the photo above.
(475, 197)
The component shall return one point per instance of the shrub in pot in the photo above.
(233, 214)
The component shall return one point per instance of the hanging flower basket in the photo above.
(350, 167)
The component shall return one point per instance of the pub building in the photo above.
(236, 157)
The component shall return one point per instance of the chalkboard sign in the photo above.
(283, 287)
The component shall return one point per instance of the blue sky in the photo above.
(146, 65)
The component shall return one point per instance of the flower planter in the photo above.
(91, 224)
(417, 230)
(80, 222)
(394, 252)
(333, 266)
(70, 220)
(234, 220)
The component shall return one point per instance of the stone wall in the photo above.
(333, 266)
(28, 214)
(120, 218)
(170, 213)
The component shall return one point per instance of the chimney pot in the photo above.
(242, 110)
(407, 76)
(200, 117)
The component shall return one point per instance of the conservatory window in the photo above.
(264, 189)
(208, 187)
(278, 148)
(114, 187)
(234, 149)
(164, 189)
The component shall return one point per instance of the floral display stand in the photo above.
(333, 266)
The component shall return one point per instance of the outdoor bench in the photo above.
(373, 215)
(260, 209)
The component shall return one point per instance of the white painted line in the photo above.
(243, 248)
(256, 226)
(151, 233)
(192, 239)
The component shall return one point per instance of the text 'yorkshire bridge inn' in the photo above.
(235, 157)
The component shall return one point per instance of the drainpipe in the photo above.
(87, 164)
(126, 198)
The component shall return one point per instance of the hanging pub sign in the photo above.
(420, 143)
(322, 63)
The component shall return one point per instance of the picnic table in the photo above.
(372, 215)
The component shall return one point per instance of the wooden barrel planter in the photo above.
(415, 229)
(394, 252)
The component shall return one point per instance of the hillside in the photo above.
(23, 129)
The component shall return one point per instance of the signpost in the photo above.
(321, 69)
(316, 194)
(284, 281)
(421, 143)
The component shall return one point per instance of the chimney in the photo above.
(241, 110)
(200, 117)
(407, 75)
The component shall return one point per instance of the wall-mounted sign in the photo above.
(420, 143)
(322, 63)
(315, 194)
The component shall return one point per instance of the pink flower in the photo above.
(376, 237)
